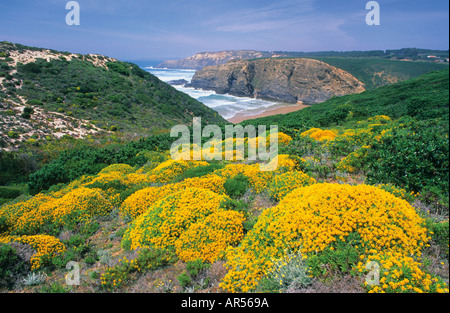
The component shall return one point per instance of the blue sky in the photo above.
(149, 29)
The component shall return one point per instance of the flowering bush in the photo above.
(143, 199)
(46, 247)
(121, 168)
(165, 221)
(11, 214)
(208, 238)
(168, 170)
(140, 201)
(282, 184)
(212, 182)
(258, 179)
(284, 139)
(400, 273)
(319, 134)
(285, 163)
(313, 218)
(78, 206)
(353, 162)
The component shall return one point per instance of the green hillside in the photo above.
(109, 93)
(425, 97)
(377, 72)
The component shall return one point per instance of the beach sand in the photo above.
(281, 110)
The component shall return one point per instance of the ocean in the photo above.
(227, 106)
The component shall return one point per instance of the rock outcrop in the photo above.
(178, 82)
(200, 60)
(285, 80)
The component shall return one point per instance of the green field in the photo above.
(377, 72)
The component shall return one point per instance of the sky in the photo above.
(164, 29)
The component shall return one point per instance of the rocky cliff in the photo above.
(286, 80)
(200, 60)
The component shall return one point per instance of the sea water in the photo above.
(226, 105)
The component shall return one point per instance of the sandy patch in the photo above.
(281, 110)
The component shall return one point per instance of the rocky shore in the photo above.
(278, 79)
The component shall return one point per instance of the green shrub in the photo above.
(13, 135)
(199, 171)
(32, 67)
(194, 268)
(439, 234)
(126, 270)
(35, 102)
(27, 111)
(282, 184)
(11, 266)
(184, 279)
(340, 257)
(290, 273)
(119, 67)
(236, 186)
(9, 192)
(413, 156)
(54, 287)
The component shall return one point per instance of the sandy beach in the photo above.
(281, 110)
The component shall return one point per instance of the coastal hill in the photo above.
(285, 80)
(202, 59)
(48, 94)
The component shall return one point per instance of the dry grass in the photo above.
(334, 284)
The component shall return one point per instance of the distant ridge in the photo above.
(202, 59)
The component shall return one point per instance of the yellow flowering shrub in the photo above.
(143, 199)
(121, 168)
(319, 134)
(168, 170)
(379, 119)
(312, 218)
(211, 182)
(282, 184)
(133, 179)
(46, 247)
(209, 238)
(258, 179)
(11, 214)
(33, 221)
(284, 139)
(285, 163)
(80, 205)
(168, 218)
(79, 182)
(399, 273)
(353, 162)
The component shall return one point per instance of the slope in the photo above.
(110, 94)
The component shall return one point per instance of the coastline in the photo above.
(240, 117)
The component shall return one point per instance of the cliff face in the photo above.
(200, 60)
(285, 80)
